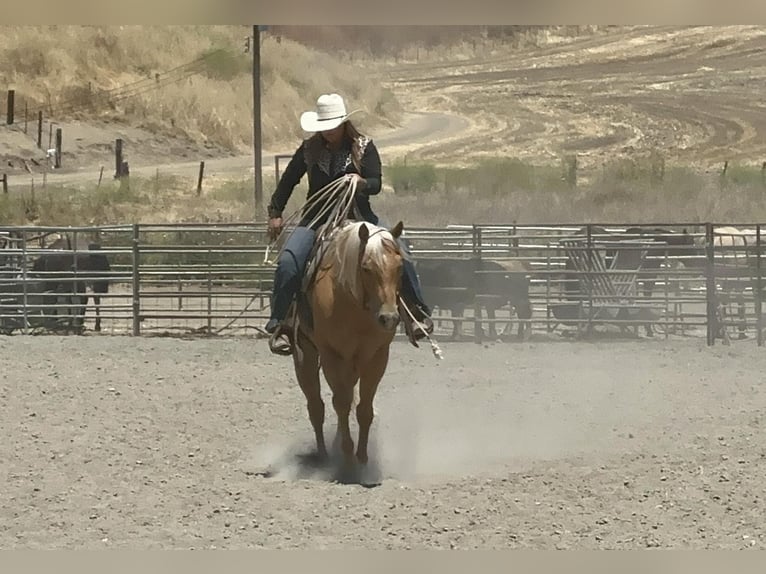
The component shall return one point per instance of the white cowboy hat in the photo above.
(330, 113)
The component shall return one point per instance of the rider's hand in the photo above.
(275, 227)
(361, 183)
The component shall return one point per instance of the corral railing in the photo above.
(673, 279)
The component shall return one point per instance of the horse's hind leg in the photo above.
(368, 386)
(306, 361)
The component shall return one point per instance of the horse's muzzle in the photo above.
(389, 321)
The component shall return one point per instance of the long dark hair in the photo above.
(353, 135)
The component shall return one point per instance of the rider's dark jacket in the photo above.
(324, 166)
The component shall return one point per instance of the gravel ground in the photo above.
(171, 443)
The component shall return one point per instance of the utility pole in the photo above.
(257, 151)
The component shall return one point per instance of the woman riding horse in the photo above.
(336, 150)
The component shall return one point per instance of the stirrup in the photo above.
(414, 333)
(279, 342)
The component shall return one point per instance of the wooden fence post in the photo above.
(10, 107)
(5, 183)
(40, 129)
(118, 158)
(58, 148)
(199, 180)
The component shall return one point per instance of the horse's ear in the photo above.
(364, 233)
(397, 230)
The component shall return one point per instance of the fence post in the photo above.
(10, 106)
(710, 294)
(24, 281)
(209, 293)
(58, 148)
(589, 268)
(40, 129)
(276, 168)
(135, 281)
(74, 310)
(758, 286)
(118, 158)
(199, 180)
(476, 240)
(5, 183)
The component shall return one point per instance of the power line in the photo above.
(173, 75)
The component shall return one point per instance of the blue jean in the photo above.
(291, 266)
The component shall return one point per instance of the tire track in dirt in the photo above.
(693, 94)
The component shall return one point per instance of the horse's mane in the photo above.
(346, 246)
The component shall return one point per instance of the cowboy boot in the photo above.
(281, 340)
(415, 331)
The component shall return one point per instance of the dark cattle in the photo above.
(69, 273)
(455, 283)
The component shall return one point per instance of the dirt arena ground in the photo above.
(169, 443)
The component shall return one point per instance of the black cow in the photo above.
(69, 273)
(454, 284)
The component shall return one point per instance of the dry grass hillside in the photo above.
(534, 124)
(191, 82)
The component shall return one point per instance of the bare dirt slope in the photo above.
(152, 442)
(690, 92)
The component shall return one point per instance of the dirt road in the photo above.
(417, 129)
(165, 443)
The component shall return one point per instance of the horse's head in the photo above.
(379, 272)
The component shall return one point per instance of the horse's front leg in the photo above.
(306, 361)
(341, 379)
(369, 377)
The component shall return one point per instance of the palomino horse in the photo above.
(347, 324)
